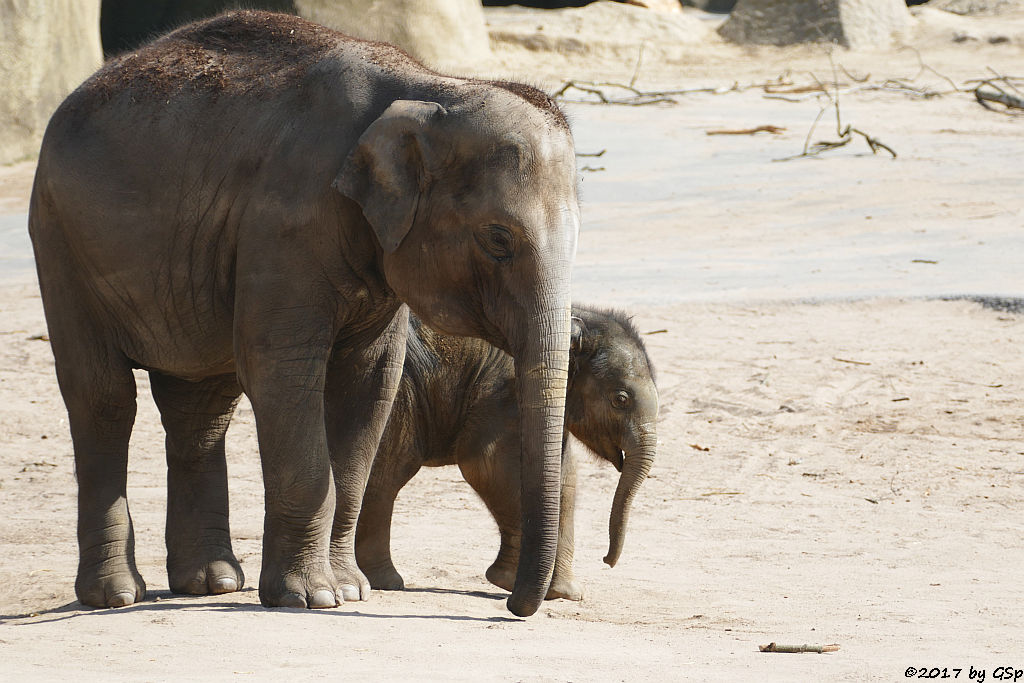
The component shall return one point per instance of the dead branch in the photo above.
(898, 85)
(1000, 96)
(635, 99)
(922, 68)
(845, 133)
(819, 649)
(1008, 81)
(636, 69)
(785, 98)
(1003, 98)
(774, 130)
(852, 362)
(807, 140)
(874, 143)
(790, 89)
(862, 79)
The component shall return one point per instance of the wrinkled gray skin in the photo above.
(244, 205)
(457, 405)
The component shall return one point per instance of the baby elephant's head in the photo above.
(612, 405)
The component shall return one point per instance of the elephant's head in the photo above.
(612, 405)
(473, 204)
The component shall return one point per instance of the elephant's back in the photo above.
(235, 53)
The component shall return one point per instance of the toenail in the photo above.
(323, 598)
(292, 600)
(122, 599)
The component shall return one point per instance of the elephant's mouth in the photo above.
(620, 460)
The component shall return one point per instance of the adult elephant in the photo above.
(244, 205)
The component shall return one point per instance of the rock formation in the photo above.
(47, 47)
(849, 23)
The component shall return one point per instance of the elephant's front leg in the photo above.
(281, 354)
(362, 381)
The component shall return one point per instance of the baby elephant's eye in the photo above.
(497, 242)
(621, 400)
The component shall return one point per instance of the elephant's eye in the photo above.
(497, 242)
(621, 400)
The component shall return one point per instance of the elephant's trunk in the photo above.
(639, 456)
(541, 369)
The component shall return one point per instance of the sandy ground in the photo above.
(841, 450)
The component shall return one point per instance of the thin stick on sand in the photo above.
(818, 649)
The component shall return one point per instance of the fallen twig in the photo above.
(774, 130)
(845, 133)
(790, 89)
(851, 362)
(636, 98)
(636, 69)
(819, 649)
(863, 79)
(591, 154)
(1000, 96)
(1006, 80)
(922, 67)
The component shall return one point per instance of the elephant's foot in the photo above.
(502, 575)
(564, 587)
(353, 584)
(110, 584)
(210, 573)
(384, 577)
(311, 586)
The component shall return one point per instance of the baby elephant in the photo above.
(457, 405)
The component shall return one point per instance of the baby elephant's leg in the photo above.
(563, 582)
(496, 481)
(373, 532)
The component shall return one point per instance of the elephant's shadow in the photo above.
(162, 601)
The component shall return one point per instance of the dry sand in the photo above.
(841, 450)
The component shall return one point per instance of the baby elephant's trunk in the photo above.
(639, 454)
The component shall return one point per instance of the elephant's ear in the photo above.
(576, 342)
(385, 173)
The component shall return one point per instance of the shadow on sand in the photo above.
(164, 601)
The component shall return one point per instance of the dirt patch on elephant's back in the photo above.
(238, 51)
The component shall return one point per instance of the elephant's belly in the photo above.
(181, 345)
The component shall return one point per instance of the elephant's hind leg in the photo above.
(496, 481)
(373, 533)
(195, 415)
(99, 390)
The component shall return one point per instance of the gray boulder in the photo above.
(47, 47)
(441, 33)
(849, 23)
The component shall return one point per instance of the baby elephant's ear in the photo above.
(386, 172)
(579, 329)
